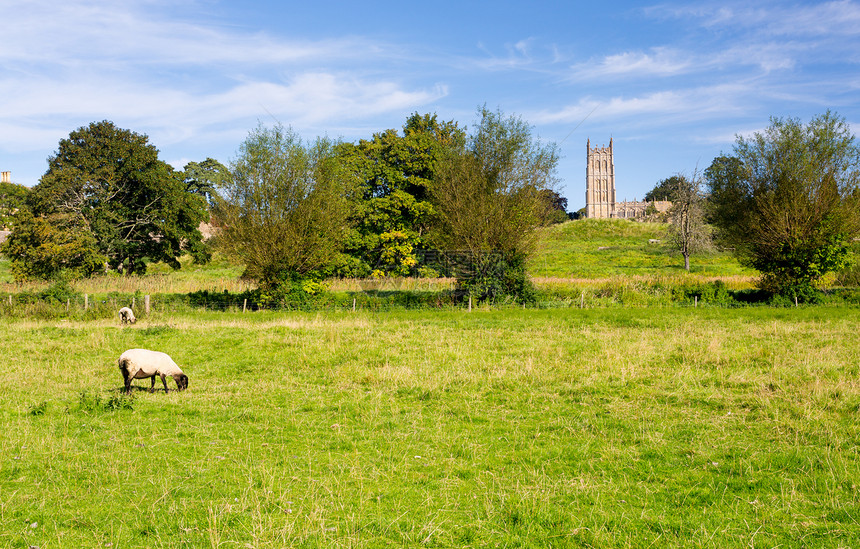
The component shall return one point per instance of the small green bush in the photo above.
(712, 292)
(95, 403)
(39, 409)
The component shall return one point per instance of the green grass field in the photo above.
(599, 248)
(508, 428)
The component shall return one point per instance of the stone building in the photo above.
(599, 181)
(600, 201)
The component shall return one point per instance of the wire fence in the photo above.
(91, 307)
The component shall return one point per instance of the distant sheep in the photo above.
(126, 316)
(142, 363)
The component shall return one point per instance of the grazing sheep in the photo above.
(126, 316)
(141, 363)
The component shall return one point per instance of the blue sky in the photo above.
(672, 83)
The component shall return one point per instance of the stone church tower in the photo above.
(599, 182)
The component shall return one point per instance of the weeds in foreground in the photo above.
(95, 403)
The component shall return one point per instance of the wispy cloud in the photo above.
(123, 33)
(659, 61)
(664, 61)
(516, 55)
(825, 19)
(131, 61)
(688, 105)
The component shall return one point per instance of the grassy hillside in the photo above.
(598, 248)
(564, 428)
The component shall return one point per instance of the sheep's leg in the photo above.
(164, 380)
(127, 379)
(152, 385)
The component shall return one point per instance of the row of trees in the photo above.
(787, 201)
(432, 200)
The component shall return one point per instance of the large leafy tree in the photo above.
(725, 174)
(284, 207)
(112, 191)
(790, 204)
(204, 178)
(489, 196)
(13, 198)
(392, 212)
(664, 189)
(557, 205)
(43, 246)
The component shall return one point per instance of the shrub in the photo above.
(96, 403)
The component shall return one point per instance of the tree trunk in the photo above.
(687, 262)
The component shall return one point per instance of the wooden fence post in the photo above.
(353, 304)
(86, 302)
(470, 303)
(146, 303)
(244, 304)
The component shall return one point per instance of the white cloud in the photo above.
(307, 99)
(773, 36)
(659, 62)
(115, 34)
(73, 62)
(686, 105)
(818, 19)
(828, 19)
(517, 55)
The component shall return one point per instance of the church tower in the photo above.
(599, 181)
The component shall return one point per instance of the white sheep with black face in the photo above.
(126, 316)
(142, 363)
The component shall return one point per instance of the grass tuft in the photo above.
(95, 403)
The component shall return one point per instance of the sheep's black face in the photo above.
(182, 382)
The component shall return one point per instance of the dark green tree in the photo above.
(392, 212)
(664, 189)
(790, 205)
(489, 197)
(204, 178)
(110, 183)
(557, 206)
(284, 207)
(13, 198)
(47, 246)
(725, 175)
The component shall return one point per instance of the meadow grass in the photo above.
(217, 275)
(600, 248)
(505, 428)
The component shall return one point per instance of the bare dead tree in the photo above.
(688, 232)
